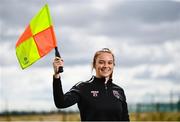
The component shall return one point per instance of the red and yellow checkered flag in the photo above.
(37, 40)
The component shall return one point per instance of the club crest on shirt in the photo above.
(94, 93)
(116, 94)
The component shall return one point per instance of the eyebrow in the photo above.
(104, 60)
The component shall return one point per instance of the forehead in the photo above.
(105, 56)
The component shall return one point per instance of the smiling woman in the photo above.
(98, 98)
(103, 63)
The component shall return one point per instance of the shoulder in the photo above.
(120, 90)
(115, 86)
(82, 84)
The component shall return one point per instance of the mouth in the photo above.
(105, 70)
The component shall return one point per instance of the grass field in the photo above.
(153, 116)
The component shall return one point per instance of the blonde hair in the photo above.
(103, 50)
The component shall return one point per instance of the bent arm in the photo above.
(62, 100)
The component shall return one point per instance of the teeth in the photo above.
(105, 70)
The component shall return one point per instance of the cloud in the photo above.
(33, 86)
(132, 55)
(139, 90)
(148, 11)
(144, 36)
(143, 21)
(159, 72)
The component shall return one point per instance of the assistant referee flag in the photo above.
(37, 40)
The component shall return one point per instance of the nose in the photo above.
(106, 64)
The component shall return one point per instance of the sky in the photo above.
(142, 34)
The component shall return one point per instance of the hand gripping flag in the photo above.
(37, 40)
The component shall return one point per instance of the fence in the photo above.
(155, 107)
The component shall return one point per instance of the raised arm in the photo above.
(62, 100)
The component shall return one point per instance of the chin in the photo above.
(106, 75)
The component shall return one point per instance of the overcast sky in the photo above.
(143, 34)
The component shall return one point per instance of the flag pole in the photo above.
(57, 54)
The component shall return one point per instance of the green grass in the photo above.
(146, 116)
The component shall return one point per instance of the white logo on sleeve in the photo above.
(116, 94)
(95, 93)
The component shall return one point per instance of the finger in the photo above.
(58, 63)
(57, 58)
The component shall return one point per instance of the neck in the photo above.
(106, 78)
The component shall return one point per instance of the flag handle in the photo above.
(57, 54)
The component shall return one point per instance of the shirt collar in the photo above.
(102, 80)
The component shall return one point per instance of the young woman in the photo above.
(98, 98)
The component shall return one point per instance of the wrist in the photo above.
(57, 75)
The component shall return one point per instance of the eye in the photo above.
(101, 62)
(110, 62)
